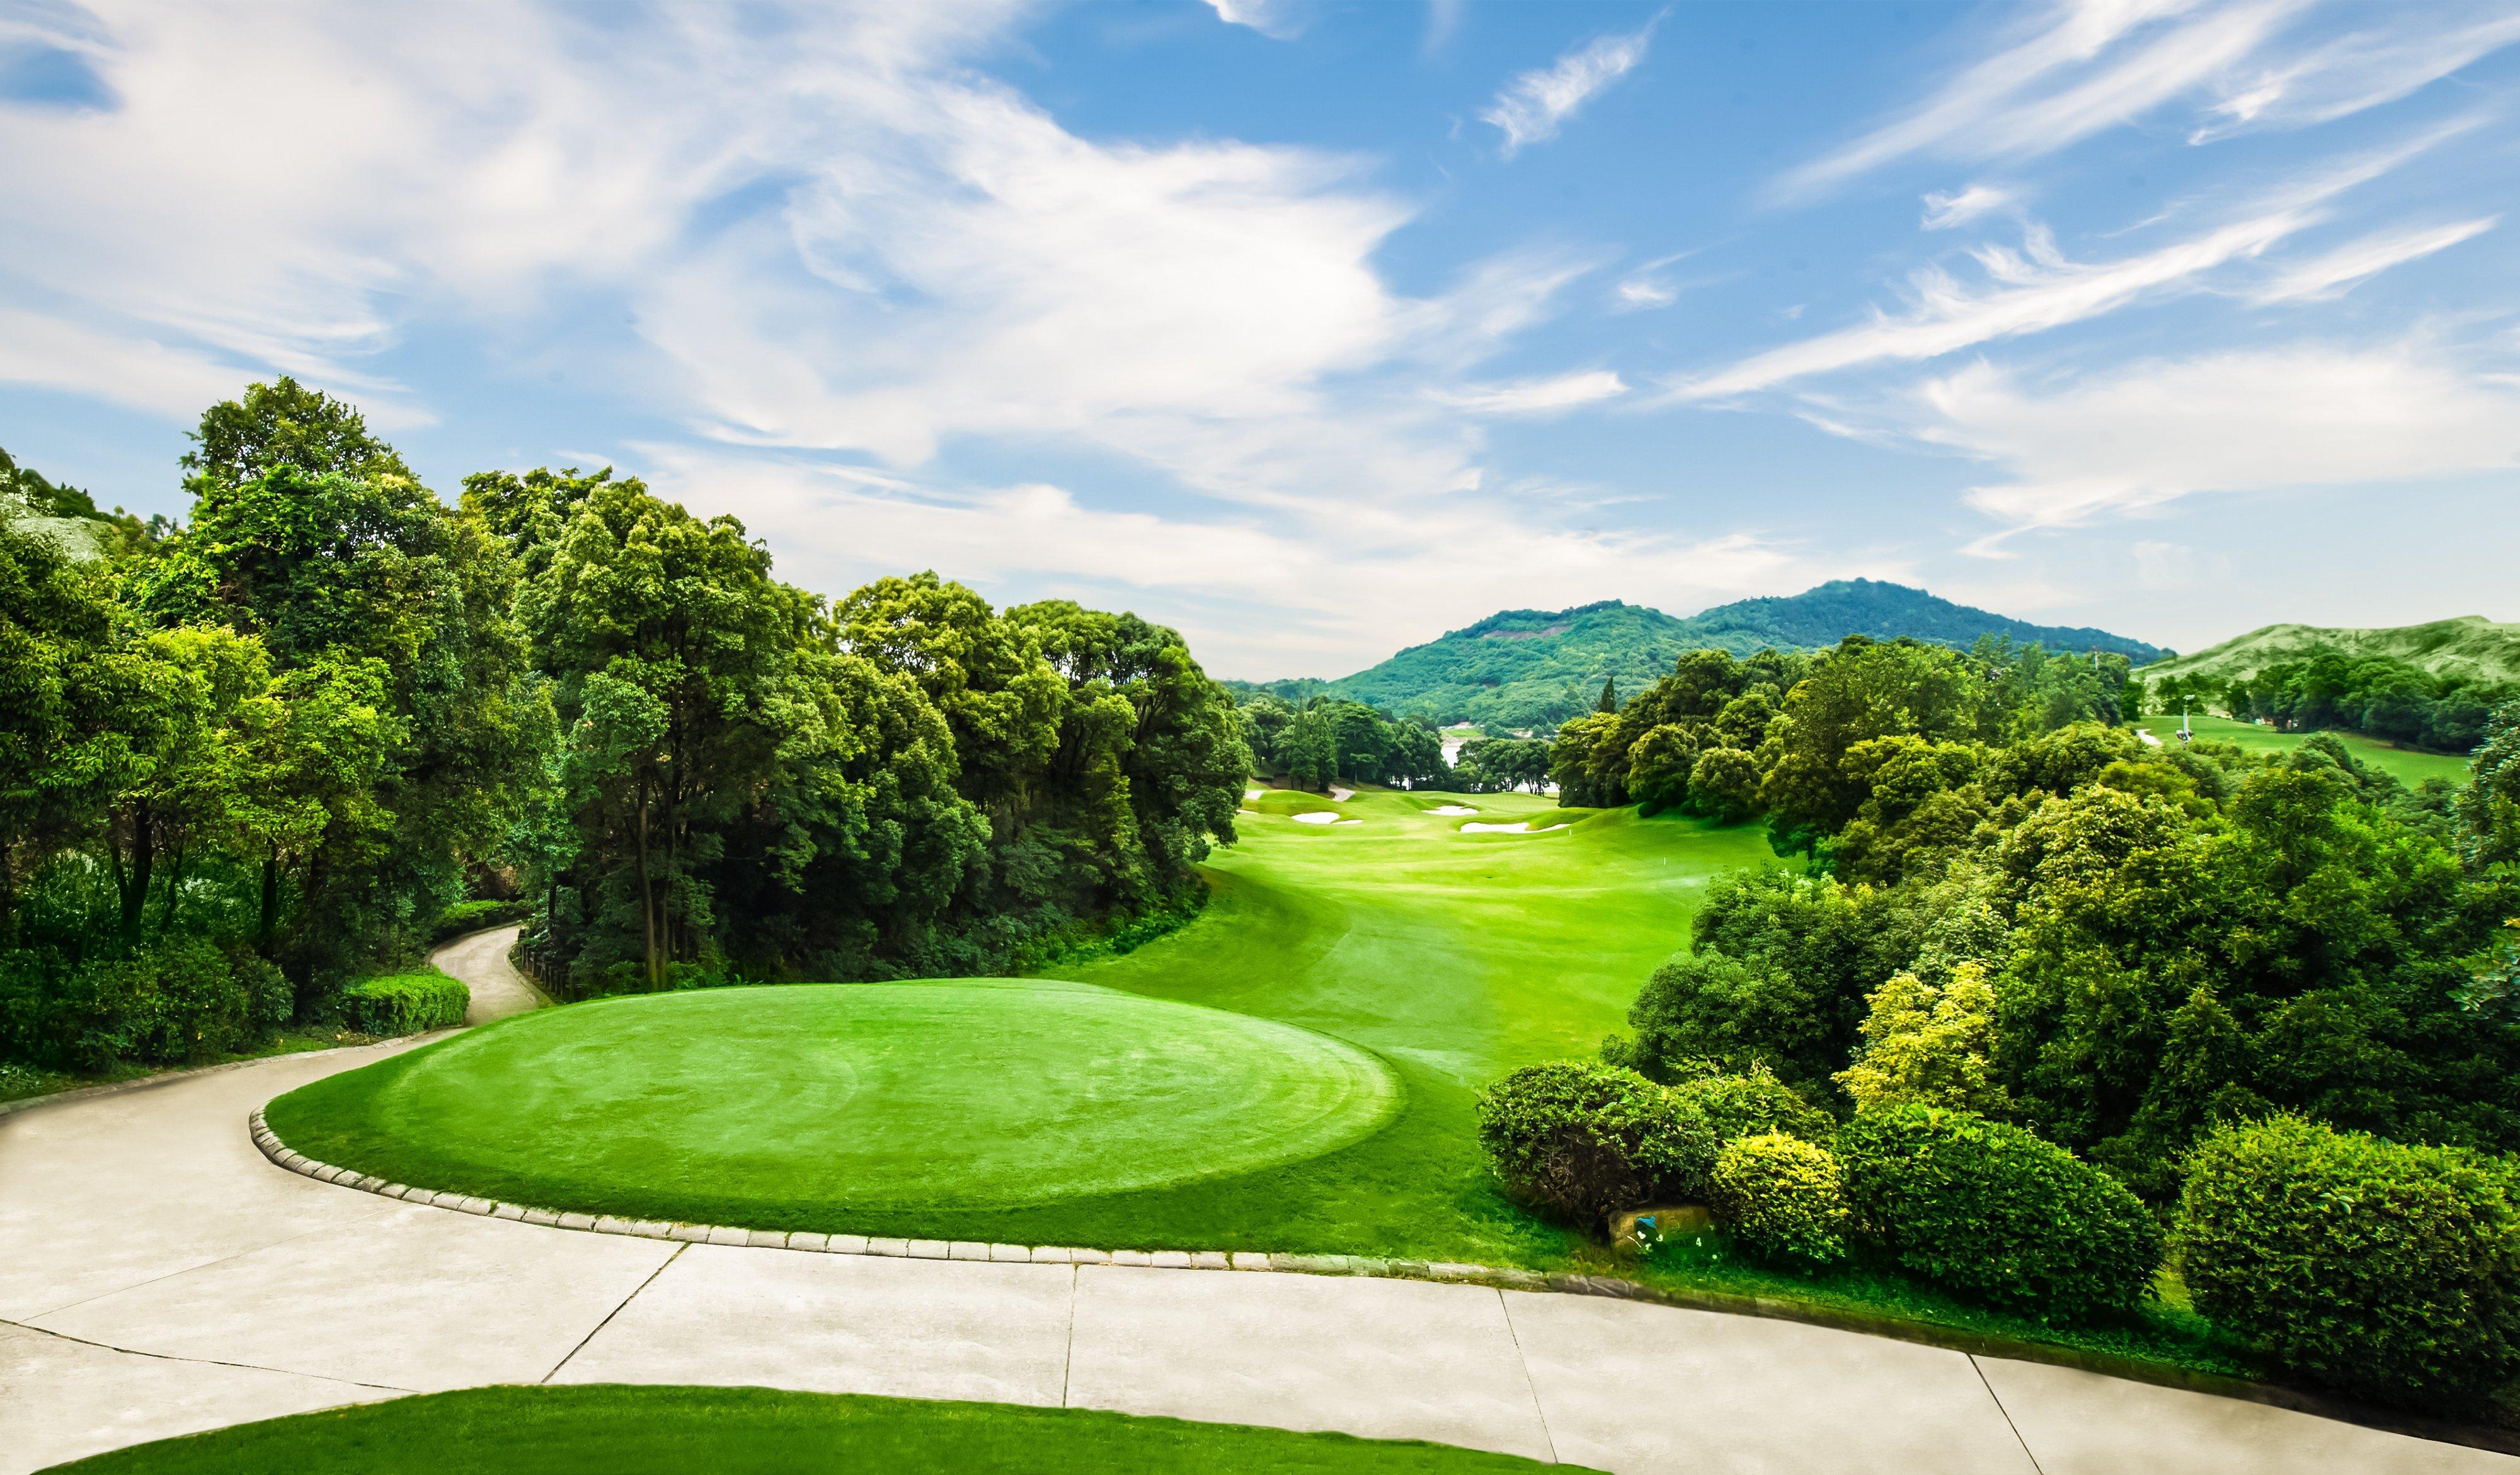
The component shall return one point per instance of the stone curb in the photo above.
(1502, 1277)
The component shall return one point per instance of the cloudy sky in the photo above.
(1319, 327)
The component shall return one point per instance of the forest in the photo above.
(2393, 700)
(256, 757)
(2047, 998)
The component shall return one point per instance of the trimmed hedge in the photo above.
(472, 917)
(1755, 1103)
(404, 1003)
(1585, 1140)
(1782, 1198)
(2362, 1264)
(1997, 1214)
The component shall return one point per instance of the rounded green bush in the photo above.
(405, 1004)
(1755, 1102)
(2370, 1266)
(1994, 1213)
(1586, 1140)
(1782, 1198)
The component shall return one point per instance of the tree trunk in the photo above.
(269, 931)
(174, 891)
(646, 888)
(131, 877)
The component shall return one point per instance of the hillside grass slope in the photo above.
(2471, 648)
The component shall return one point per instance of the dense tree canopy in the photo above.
(295, 729)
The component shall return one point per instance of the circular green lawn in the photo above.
(787, 1105)
(606, 1430)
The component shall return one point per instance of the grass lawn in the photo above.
(815, 1105)
(606, 1430)
(2407, 765)
(1451, 958)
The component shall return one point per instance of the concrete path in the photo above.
(481, 961)
(157, 1277)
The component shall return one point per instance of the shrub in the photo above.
(174, 1000)
(1586, 1140)
(472, 917)
(1782, 1198)
(2355, 1262)
(404, 1003)
(1994, 1213)
(1755, 1102)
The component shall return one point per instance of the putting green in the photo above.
(805, 1103)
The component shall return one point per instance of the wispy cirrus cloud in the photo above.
(1946, 211)
(1537, 396)
(2035, 289)
(1277, 20)
(2150, 432)
(2028, 291)
(2081, 66)
(1533, 105)
(2336, 272)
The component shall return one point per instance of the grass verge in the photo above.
(738, 1431)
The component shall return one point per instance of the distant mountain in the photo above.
(2471, 646)
(1531, 668)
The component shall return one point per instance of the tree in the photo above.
(1931, 1045)
(1609, 701)
(2488, 810)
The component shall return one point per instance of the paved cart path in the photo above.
(481, 961)
(157, 1277)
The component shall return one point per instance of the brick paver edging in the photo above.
(2485, 1437)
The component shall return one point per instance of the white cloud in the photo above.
(1533, 105)
(2081, 66)
(1647, 292)
(2033, 290)
(1273, 19)
(2340, 270)
(2148, 433)
(1944, 211)
(1257, 596)
(52, 354)
(1537, 396)
(2359, 70)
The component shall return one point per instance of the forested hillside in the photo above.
(2471, 648)
(1529, 669)
(250, 758)
(2418, 686)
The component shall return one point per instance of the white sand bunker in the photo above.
(1341, 795)
(1451, 811)
(1318, 817)
(1518, 826)
(1252, 793)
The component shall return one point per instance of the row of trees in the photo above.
(2386, 698)
(2121, 952)
(291, 733)
(1810, 740)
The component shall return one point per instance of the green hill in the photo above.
(2470, 649)
(1532, 668)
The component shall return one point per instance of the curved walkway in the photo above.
(158, 1275)
(480, 960)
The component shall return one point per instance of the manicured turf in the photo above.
(1454, 957)
(2409, 766)
(603, 1430)
(808, 1105)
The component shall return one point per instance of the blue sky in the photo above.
(1316, 329)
